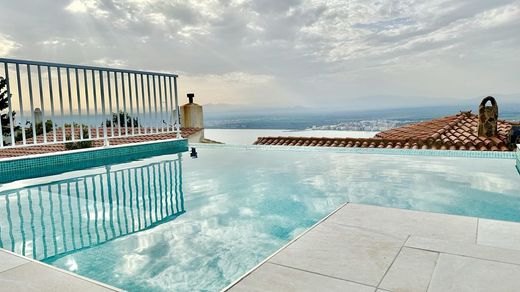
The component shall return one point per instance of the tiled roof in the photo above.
(41, 149)
(458, 132)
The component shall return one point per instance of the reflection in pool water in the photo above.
(48, 221)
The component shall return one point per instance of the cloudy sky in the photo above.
(292, 53)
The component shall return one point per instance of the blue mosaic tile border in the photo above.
(55, 163)
(421, 152)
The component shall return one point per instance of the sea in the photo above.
(245, 128)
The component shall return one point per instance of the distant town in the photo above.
(368, 125)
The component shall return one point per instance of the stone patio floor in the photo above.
(357, 248)
(368, 248)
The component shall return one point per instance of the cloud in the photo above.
(241, 86)
(303, 50)
(105, 62)
(238, 78)
(7, 45)
(93, 7)
(61, 42)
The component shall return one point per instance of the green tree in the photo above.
(122, 117)
(29, 132)
(4, 104)
(78, 144)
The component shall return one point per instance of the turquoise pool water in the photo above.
(172, 223)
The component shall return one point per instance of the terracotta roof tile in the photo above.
(41, 149)
(457, 132)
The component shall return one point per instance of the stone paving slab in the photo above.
(344, 252)
(499, 233)
(465, 249)
(458, 273)
(411, 271)
(19, 273)
(397, 250)
(407, 222)
(8, 261)
(299, 281)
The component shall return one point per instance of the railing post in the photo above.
(31, 103)
(51, 95)
(20, 100)
(178, 122)
(103, 110)
(10, 109)
(42, 105)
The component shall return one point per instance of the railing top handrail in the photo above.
(83, 67)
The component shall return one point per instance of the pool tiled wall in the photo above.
(393, 151)
(518, 157)
(42, 165)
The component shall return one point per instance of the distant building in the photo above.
(38, 116)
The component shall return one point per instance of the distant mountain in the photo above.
(366, 103)
(305, 118)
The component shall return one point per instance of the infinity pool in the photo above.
(174, 223)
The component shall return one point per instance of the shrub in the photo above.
(79, 144)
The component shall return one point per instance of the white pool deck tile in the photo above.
(323, 251)
(405, 222)
(18, 273)
(499, 233)
(9, 261)
(395, 250)
(469, 250)
(411, 271)
(459, 273)
(304, 281)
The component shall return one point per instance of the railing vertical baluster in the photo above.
(144, 104)
(161, 120)
(42, 104)
(51, 95)
(10, 108)
(20, 99)
(69, 91)
(103, 108)
(171, 109)
(110, 105)
(125, 113)
(78, 96)
(31, 103)
(117, 105)
(149, 102)
(64, 138)
(87, 101)
(137, 104)
(169, 98)
(131, 103)
(155, 105)
(177, 108)
(96, 115)
(167, 122)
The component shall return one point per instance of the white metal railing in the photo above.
(51, 103)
